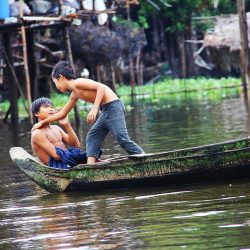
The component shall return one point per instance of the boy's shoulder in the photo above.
(42, 131)
(85, 81)
(37, 134)
(81, 79)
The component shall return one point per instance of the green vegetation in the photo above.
(169, 91)
(59, 100)
(168, 86)
(180, 13)
(195, 88)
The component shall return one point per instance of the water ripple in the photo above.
(203, 214)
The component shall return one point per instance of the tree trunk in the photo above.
(162, 39)
(192, 68)
(182, 50)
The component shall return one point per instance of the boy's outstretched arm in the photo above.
(59, 115)
(100, 91)
(70, 137)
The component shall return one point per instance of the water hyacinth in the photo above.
(169, 85)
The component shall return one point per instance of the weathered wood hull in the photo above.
(222, 158)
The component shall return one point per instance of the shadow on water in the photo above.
(214, 216)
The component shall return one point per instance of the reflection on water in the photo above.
(197, 217)
(191, 217)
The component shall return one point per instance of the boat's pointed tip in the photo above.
(16, 152)
(12, 152)
(13, 149)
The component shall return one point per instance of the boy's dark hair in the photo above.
(43, 101)
(63, 68)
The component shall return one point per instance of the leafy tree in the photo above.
(179, 13)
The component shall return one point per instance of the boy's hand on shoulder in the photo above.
(36, 126)
(92, 115)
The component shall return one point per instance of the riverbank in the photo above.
(199, 88)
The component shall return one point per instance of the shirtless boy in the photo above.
(46, 140)
(112, 117)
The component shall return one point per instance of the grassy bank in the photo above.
(169, 86)
(195, 87)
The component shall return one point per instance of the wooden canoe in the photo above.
(218, 161)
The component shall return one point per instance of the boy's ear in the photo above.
(36, 114)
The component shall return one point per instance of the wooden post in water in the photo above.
(139, 69)
(32, 65)
(25, 60)
(113, 77)
(15, 80)
(70, 58)
(244, 51)
(12, 87)
(181, 41)
(131, 62)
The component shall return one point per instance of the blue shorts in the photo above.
(69, 158)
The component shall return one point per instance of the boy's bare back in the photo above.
(86, 90)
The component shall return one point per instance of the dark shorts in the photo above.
(112, 118)
(69, 158)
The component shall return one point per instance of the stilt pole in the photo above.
(7, 114)
(113, 77)
(26, 68)
(15, 80)
(244, 51)
(13, 110)
(131, 62)
(70, 58)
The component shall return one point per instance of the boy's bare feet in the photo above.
(91, 160)
(99, 160)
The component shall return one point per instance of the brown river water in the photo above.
(197, 216)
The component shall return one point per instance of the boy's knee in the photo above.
(90, 137)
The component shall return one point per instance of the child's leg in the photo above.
(95, 137)
(117, 126)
